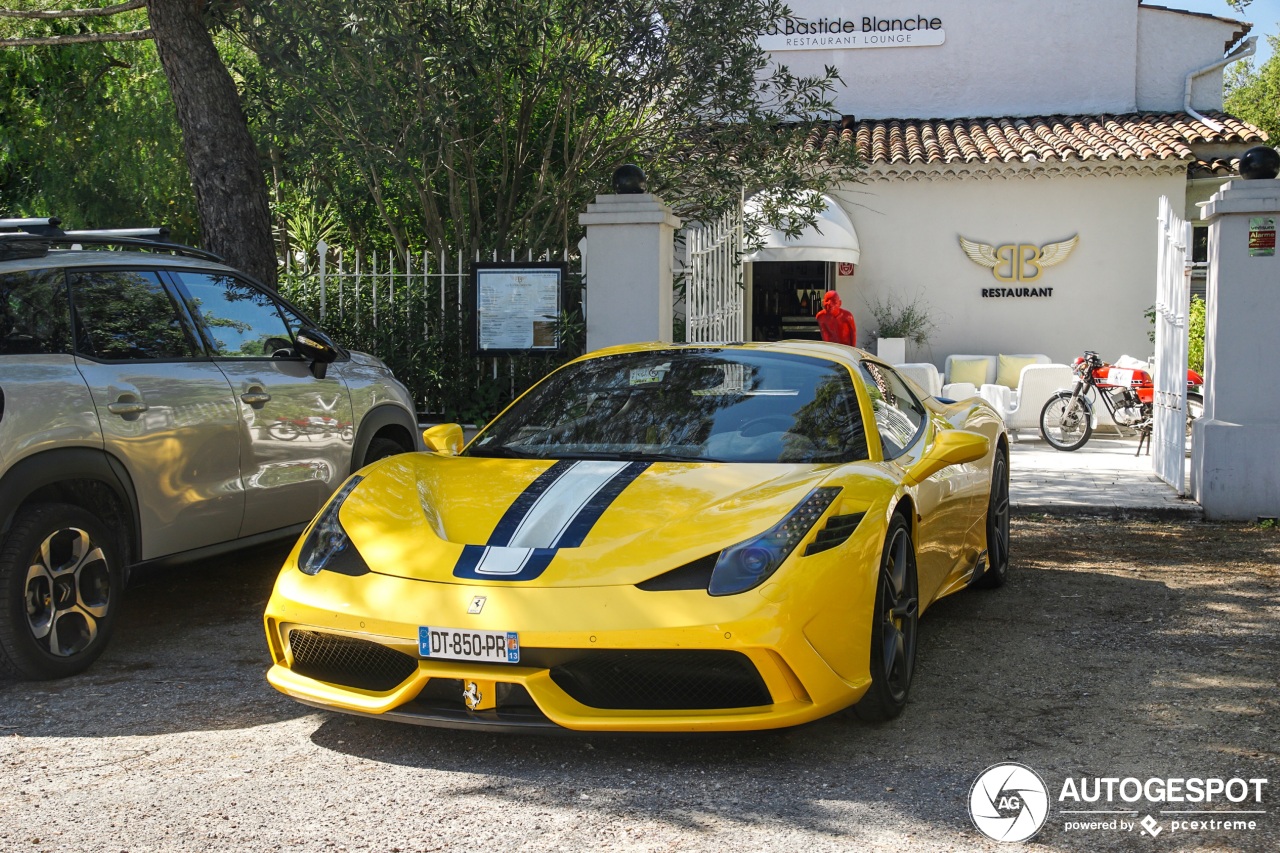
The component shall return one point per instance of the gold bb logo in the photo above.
(1018, 261)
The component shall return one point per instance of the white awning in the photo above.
(830, 238)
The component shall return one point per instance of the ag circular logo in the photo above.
(1009, 802)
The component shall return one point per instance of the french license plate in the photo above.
(465, 644)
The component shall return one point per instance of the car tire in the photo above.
(381, 448)
(1065, 431)
(997, 571)
(62, 582)
(894, 626)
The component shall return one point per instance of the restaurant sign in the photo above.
(1018, 263)
(855, 31)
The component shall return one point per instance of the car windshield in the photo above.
(696, 405)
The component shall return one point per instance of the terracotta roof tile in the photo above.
(1029, 139)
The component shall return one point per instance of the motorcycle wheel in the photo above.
(1065, 422)
(1195, 409)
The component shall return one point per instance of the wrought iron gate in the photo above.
(713, 283)
(1173, 298)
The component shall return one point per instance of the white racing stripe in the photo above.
(556, 508)
(503, 561)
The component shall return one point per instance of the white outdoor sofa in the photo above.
(1020, 407)
(924, 374)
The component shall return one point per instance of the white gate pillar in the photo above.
(1235, 459)
(629, 264)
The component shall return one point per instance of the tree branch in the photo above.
(83, 38)
(105, 11)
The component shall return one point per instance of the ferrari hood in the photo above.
(561, 523)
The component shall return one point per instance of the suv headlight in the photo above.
(327, 546)
(748, 564)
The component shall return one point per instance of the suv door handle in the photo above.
(127, 407)
(255, 396)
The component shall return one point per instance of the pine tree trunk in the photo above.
(231, 191)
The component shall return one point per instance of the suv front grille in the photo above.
(349, 662)
(662, 680)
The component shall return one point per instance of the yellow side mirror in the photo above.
(950, 447)
(445, 439)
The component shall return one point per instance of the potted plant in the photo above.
(896, 323)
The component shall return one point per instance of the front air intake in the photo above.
(662, 680)
(349, 662)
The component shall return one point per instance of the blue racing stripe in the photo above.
(471, 564)
(510, 521)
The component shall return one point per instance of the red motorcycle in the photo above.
(1066, 421)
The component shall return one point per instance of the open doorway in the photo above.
(786, 296)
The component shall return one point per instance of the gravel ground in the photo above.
(1119, 649)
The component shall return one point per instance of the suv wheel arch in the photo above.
(82, 476)
(383, 422)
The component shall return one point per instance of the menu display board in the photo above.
(517, 306)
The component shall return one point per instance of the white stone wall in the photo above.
(1169, 46)
(1016, 57)
(909, 232)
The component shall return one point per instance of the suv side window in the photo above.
(240, 321)
(35, 317)
(128, 315)
(899, 415)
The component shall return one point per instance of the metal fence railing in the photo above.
(412, 312)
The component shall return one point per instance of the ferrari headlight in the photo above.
(748, 564)
(327, 546)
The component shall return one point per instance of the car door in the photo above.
(165, 410)
(942, 501)
(296, 429)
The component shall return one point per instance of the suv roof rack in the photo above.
(33, 237)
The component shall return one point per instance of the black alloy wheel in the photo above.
(893, 628)
(61, 581)
(1065, 421)
(997, 571)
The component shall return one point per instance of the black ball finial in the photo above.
(1260, 163)
(628, 180)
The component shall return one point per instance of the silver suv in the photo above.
(156, 406)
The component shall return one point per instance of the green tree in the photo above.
(221, 156)
(87, 133)
(1253, 94)
(490, 124)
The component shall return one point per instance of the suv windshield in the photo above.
(697, 405)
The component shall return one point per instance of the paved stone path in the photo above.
(1103, 477)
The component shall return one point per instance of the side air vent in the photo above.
(838, 529)
(695, 575)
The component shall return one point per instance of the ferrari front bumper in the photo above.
(592, 658)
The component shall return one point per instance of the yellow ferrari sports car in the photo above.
(654, 538)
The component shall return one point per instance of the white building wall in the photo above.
(1012, 57)
(910, 236)
(1169, 46)
(1000, 57)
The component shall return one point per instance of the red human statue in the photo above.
(835, 322)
